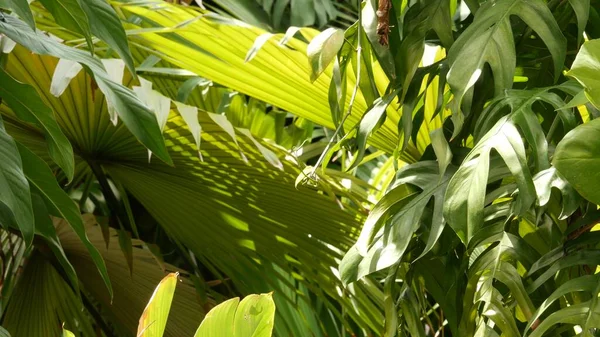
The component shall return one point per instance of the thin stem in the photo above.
(354, 92)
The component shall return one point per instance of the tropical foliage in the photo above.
(385, 168)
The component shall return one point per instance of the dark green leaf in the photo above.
(28, 106)
(45, 228)
(137, 117)
(370, 122)
(43, 181)
(577, 158)
(14, 189)
(69, 14)
(465, 197)
(21, 8)
(105, 24)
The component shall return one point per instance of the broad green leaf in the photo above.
(254, 316)
(585, 283)
(400, 220)
(267, 77)
(131, 291)
(323, 49)
(21, 7)
(522, 114)
(419, 20)
(489, 39)
(465, 196)
(3, 332)
(577, 156)
(69, 14)
(14, 188)
(42, 301)
(105, 24)
(154, 319)
(582, 11)
(370, 122)
(545, 180)
(28, 106)
(139, 119)
(58, 202)
(219, 321)
(392, 202)
(45, 228)
(586, 70)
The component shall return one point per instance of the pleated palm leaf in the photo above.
(43, 298)
(243, 219)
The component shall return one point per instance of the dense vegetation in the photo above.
(385, 168)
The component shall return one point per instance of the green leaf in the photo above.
(577, 158)
(58, 202)
(105, 24)
(489, 39)
(14, 188)
(441, 149)
(3, 332)
(21, 8)
(582, 11)
(465, 197)
(586, 70)
(154, 319)
(138, 118)
(585, 283)
(69, 14)
(126, 247)
(419, 20)
(252, 317)
(45, 228)
(323, 49)
(28, 106)
(67, 333)
(370, 122)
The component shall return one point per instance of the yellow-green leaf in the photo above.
(154, 319)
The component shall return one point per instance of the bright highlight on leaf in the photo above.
(154, 319)
(322, 49)
(254, 316)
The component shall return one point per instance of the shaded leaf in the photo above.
(14, 188)
(58, 202)
(140, 121)
(28, 106)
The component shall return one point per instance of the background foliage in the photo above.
(418, 168)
